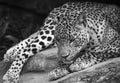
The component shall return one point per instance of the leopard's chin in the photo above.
(65, 62)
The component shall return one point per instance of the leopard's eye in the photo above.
(71, 40)
(58, 18)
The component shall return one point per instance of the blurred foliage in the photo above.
(16, 25)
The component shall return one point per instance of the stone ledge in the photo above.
(45, 61)
(105, 72)
(42, 62)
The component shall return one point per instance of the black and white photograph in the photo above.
(59, 41)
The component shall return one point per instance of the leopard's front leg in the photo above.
(57, 73)
(89, 59)
(86, 60)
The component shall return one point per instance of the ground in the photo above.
(34, 78)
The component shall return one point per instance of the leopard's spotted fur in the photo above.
(88, 28)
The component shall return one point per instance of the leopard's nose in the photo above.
(65, 61)
(64, 57)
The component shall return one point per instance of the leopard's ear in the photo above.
(80, 22)
(81, 18)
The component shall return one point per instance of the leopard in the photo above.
(86, 33)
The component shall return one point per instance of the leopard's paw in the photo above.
(6, 58)
(10, 78)
(78, 65)
(57, 73)
(9, 57)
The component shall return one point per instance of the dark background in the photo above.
(20, 18)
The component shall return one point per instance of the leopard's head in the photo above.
(70, 40)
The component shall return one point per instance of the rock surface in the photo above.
(43, 61)
(106, 72)
(37, 68)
